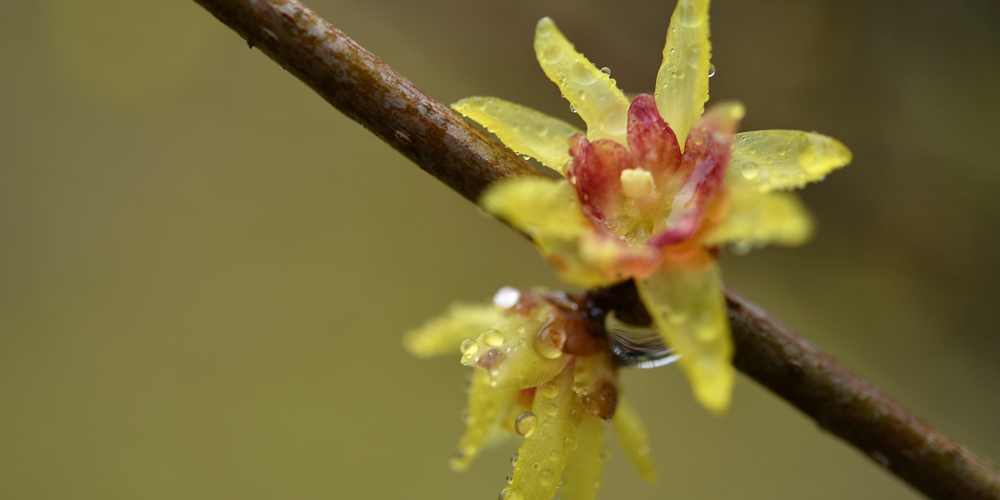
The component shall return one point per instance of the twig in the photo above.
(427, 132)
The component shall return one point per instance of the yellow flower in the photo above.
(542, 373)
(654, 186)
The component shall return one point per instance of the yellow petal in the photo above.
(582, 476)
(689, 312)
(522, 129)
(757, 219)
(783, 159)
(542, 456)
(634, 439)
(682, 82)
(548, 212)
(589, 91)
(442, 335)
(512, 353)
(487, 405)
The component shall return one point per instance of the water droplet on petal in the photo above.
(509, 493)
(551, 409)
(572, 109)
(493, 337)
(606, 70)
(536, 466)
(711, 70)
(687, 14)
(469, 347)
(513, 460)
(750, 170)
(582, 74)
(525, 425)
(550, 390)
(546, 477)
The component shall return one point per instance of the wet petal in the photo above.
(543, 454)
(589, 91)
(682, 82)
(487, 406)
(757, 219)
(526, 131)
(689, 311)
(634, 438)
(651, 142)
(597, 169)
(539, 207)
(784, 159)
(513, 354)
(548, 211)
(582, 476)
(442, 335)
(594, 384)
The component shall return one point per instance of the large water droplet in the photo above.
(551, 54)
(469, 347)
(687, 14)
(750, 170)
(550, 390)
(493, 337)
(525, 425)
(551, 409)
(582, 74)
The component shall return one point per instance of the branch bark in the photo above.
(443, 144)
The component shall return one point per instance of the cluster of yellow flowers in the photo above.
(650, 191)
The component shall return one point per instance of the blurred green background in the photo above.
(205, 270)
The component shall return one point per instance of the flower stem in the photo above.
(443, 144)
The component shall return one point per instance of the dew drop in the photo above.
(551, 409)
(469, 347)
(554, 455)
(513, 460)
(525, 425)
(581, 74)
(711, 70)
(687, 14)
(536, 466)
(509, 493)
(547, 345)
(550, 390)
(551, 54)
(606, 70)
(692, 54)
(572, 109)
(750, 170)
(571, 443)
(493, 337)
(510, 478)
(547, 477)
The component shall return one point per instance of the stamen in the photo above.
(637, 183)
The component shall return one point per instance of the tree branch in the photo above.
(440, 142)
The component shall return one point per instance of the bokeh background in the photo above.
(205, 270)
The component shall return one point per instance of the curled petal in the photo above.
(589, 91)
(682, 82)
(651, 142)
(770, 160)
(686, 303)
(597, 169)
(526, 131)
(634, 438)
(543, 454)
(757, 219)
(487, 406)
(443, 334)
(582, 476)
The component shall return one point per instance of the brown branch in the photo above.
(444, 145)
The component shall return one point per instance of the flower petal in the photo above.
(596, 171)
(682, 82)
(757, 219)
(548, 212)
(443, 334)
(487, 406)
(589, 91)
(514, 355)
(594, 384)
(543, 454)
(526, 131)
(784, 159)
(582, 476)
(689, 311)
(651, 142)
(634, 438)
